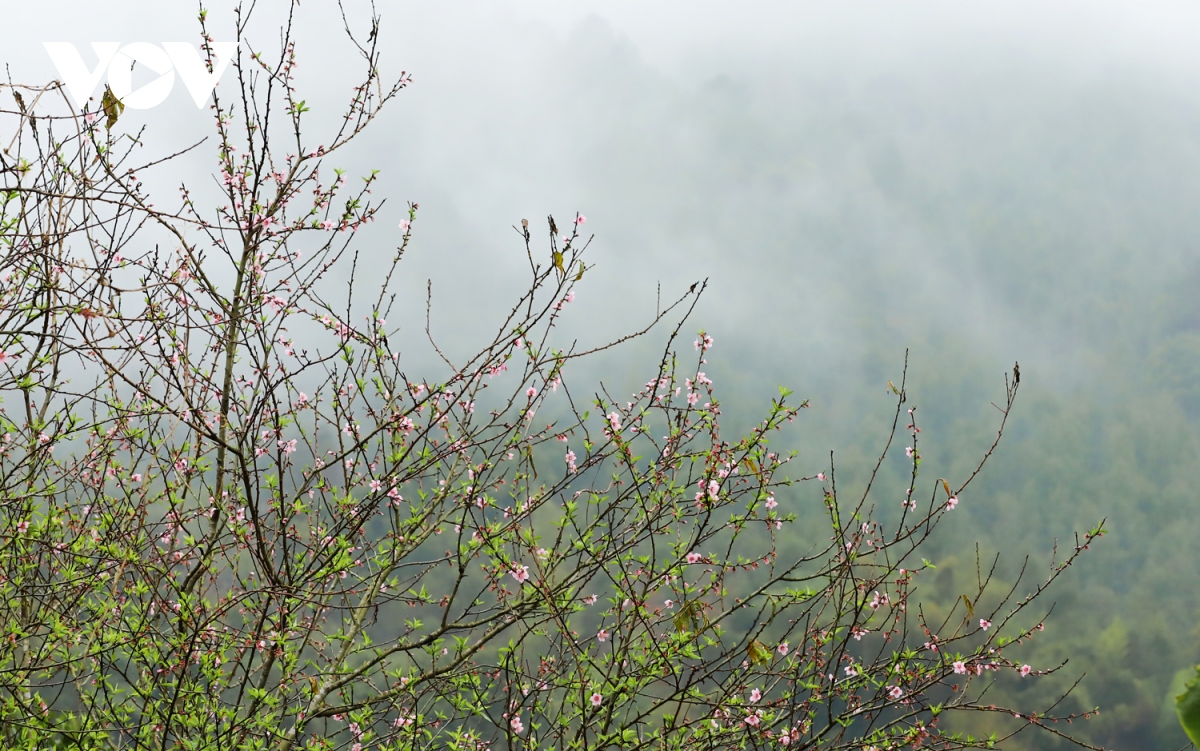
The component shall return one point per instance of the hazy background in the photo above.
(978, 183)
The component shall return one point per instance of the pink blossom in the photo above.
(516, 724)
(590, 600)
(783, 648)
(755, 695)
(694, 557)
(597, 700)
(985, 624)
(1025, 670)
(895, 692)
(580, 219)
(520, 573)
(751, 720)
(951, 502)
(405, 224)
(960, 667)
(771, 502)
(602, 635)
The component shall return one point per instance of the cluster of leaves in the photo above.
(216, 538)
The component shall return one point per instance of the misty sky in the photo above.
(851, 178)
(762, 147)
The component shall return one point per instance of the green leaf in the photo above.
(112, 106)
(759, 654)
(691, 617)
(1187, 706)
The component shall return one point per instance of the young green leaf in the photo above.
(112, 106)
(759, 654)
(1187, 706)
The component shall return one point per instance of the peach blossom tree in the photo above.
(233, 520)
